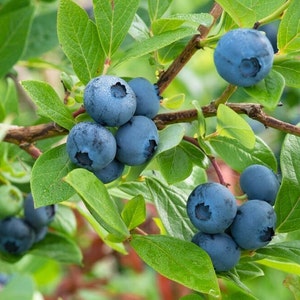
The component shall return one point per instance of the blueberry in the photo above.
(137, 141)
(109, 100)
(147, 97)
(271, 30)
(111, 172)
(40, 233)
(91, 146)
(38, 217)
(254, 224)
(4, 279)
(260, 182)
(211, 207)
(11, 201)
(16, 235)
(243, 57)
(221, 248)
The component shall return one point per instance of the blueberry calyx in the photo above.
(202, 212)
(83, 159)
(249, 67)
(118, 90)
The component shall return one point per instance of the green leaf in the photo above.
(162, 25)
(232, 125)
(196, 155)
(46, 180)
(289, 251)
(113, 19)
(171, 205)
(79, 39)
(178, 260)
(169, 137)
(65, 221)
(103, 234)
(236, 288)
(287, 205)
(290, 70)
(16, 171)
(8, 6)
(14, 31)
(238, 157)
(58, 247)
(42, 36)
(134, 212)
(9, 103)
(290, 268)
(49, 103)
(289, 29)
(248, 271)
(173, 102)
(175, 21)
(246, 12)
(129, 189)
(242, 14)
(268, 91)
(157, 8)
(197, 177)
(20, 286)
(157, 42)
(97, 200)
(138, 29)
(174, 164)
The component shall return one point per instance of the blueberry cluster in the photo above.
(114, 103)
(18, 234)
(226, 228)
(244, 57)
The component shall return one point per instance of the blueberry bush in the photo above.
(149, 149)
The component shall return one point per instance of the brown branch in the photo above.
(19, 135)
(254, 111)
(31, 149)
(190, 49)
(25, 137)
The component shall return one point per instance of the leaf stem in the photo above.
(218, 170)
(140, 231)
(230, 89)
(275, 15)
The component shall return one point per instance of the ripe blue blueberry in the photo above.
(271, 30)
(137, 141)
(16, 235)
(109, 100)
(40, 233)
(111, 172)
(38, 217)
(91, 146)
(4, 279)
(260, 182)
(254, 224)
(221, 248)
(211, 207)
(147, 97)
(243, 57)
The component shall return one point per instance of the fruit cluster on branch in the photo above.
(26, 136)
